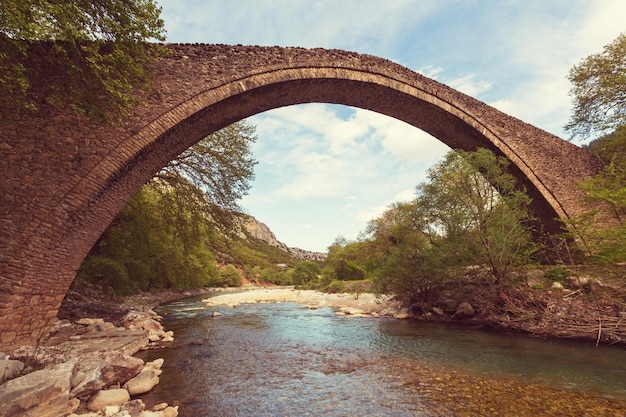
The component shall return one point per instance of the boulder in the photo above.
(10, 369)
(401, 316)
(464, 309)
(155, 364)
(142, 383)
(43, 393)
(107, 398)
(41, 356)
(534, 277)
(116, 367)
(449, 305)
(86, 382)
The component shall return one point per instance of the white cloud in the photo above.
(469, 85)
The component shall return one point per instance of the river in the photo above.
(280, 359)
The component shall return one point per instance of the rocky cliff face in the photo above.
(256, 229)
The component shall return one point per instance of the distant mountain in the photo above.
(258, 230)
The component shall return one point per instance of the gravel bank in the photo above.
(365, 304)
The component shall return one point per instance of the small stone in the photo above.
(534, 277)
(159, 407)
(216, 314)
(170, 412)
(111, 410)
(401, 316)
(151, 414)
(557, 285)
(438, 311)
(464, 309)
(133, 407)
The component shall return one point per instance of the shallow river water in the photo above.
(285, 360)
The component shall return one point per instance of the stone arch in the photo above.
(50, 234)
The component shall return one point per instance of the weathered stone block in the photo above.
(43, 393)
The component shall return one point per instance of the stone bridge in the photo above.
(64, 178)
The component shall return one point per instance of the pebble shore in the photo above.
(356, 305)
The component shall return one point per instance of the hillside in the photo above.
(254, 229)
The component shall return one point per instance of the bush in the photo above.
(558, 275)
(305, 272)
(335, 287)
(229, 276)
(108, 273)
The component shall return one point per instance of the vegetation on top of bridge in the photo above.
(97, 56)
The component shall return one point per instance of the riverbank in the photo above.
(86, 369)
(580, 307)
(355, 305)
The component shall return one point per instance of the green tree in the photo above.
(403, 259)
(599, 91)
(89, 55)
(230, 277)
(305, 272)
(602, 228)
(474, 204)
(144, 249)
(344, 261)
(213, 174)
(599, 94)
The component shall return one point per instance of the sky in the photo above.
(325, 170)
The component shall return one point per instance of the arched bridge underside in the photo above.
(64, 178)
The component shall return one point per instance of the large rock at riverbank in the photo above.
(43, 393)
(106, 398)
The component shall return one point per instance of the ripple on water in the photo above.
(280, 359)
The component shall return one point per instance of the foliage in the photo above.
(599, 91)
(602, 228)
(305, 272)
(343, 261)
(403, 261)
(336, 287)
(214, 173)
(143, 249)
(85, 54)
(229, 276)
(558, 275)
(472, 209)
(275, 275)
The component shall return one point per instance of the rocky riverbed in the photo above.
(86, 369)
